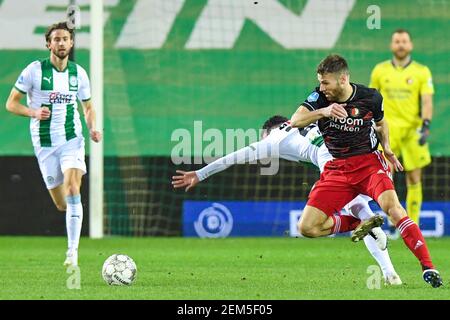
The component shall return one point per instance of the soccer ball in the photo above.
(119, 270)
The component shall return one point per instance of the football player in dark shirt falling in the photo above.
(350, 116)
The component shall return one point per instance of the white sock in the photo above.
(74, 219)
(381, 256)
(359, 208)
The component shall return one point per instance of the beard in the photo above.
(401, 54)
(335, 95)
(62, 55)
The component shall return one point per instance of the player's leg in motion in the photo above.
(74, 212)
(376, 241)
(315, 223)
(325, 199)
(66, 198)
(411, 234)
(59, 197)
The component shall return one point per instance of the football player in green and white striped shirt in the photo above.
(52, 87)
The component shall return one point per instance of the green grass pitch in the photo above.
(216, 269)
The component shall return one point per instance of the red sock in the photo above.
(344, 223)
(413, 238)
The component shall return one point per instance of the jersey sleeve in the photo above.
(427, 82)
(256, 151)
(375, 78)
(84, 89)
(378, 111)
(312, 101)
(24, 83)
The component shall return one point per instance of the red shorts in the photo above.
(344, 179)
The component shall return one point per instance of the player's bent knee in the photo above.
(393, 208)
(390, 204)
(307, 231)
(311, 233)
(73, 189)
(397, 212)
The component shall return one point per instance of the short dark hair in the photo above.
(273, 122)
(57, 26)
(332, 64)
(401, 30)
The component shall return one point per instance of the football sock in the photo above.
(414, 201)
(344, 223)
(74, 219)
(361, 209)
(413, 238)
(381, 256)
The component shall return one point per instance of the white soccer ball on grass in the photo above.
(119, 270)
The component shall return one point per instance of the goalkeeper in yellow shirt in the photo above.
(407, 90)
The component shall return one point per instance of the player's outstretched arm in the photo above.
(13, 105)
(256, 151)
(382, 130)
(89, 115)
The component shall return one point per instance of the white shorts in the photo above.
(54, 161)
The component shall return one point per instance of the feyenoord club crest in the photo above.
(354, 112)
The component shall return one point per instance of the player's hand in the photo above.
(390, 156)
(335, 110)
(187, 179)
(42, 113)
(96, 136)
(424, 132)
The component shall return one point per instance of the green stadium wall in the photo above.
(149, 93)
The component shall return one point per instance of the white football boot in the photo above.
(393, 280)
(71, 258)
(380, 237)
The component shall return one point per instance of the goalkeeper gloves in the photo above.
(424, 132)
